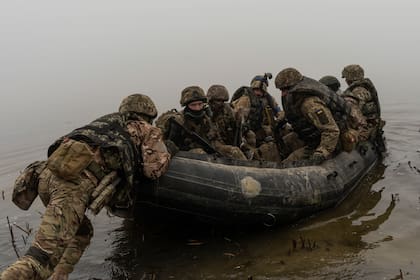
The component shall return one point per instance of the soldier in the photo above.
(257, 111)
(362, 92)
(193, 130)
(356, 122)
(114, 152)
(332, 83)
(307, 104)
(223, 115)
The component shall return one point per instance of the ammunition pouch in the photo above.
(104, 192)
(25, 189)
(96, 170)
(70, 159)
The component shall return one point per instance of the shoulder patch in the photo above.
(322, 117)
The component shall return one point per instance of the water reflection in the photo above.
(326, 246)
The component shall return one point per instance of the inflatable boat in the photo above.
(252, 192)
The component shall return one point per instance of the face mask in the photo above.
(194, 114)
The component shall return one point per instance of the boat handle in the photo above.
(352, 163)
(332, 175)
(272, 222)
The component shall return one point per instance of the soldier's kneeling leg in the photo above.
(269, 152)
(74, 250)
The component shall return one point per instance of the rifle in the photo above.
(203, 142)
(275, 127)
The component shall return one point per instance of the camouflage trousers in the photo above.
(64, 233)
(299, 154)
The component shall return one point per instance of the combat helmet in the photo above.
(261, 82)
(287, 78)
(218, 92)
(331, 82)
(191, 94)
(139, 104)
(353, 72)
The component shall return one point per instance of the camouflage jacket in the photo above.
(226, 123)
(133, 147)
(365, 94)
(312, 117)
(339, 108)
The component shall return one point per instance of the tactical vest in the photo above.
(109, 133)
(256, 115)
(225, 121)
(371, 109)
(293, 102)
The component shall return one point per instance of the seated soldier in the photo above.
(256, 111)
(193, 130)
(363, 94)
(223, 115)
(356, 122)
(309, 109)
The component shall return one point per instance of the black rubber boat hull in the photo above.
(246, 193)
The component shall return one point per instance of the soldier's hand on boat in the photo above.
(317, 157)
(172, 148)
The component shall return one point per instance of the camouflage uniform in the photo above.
(304, 101)
(258, 114)
(200, 123)
(223, 115)
(362, 92)
(356, 122)
(121, 142)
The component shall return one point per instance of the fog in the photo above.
(68, 62)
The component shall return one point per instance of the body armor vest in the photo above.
(225, 121)
(292, 103)
(110, 135)
(371, 109)
(256, 114)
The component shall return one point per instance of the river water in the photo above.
(64, 64)
(373, 234)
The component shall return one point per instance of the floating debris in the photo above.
(230, 255)
(395, 197)
(27, 230)
(227, 239)
(13, 237)
(194, 242)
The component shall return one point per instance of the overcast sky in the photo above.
(72, 61)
